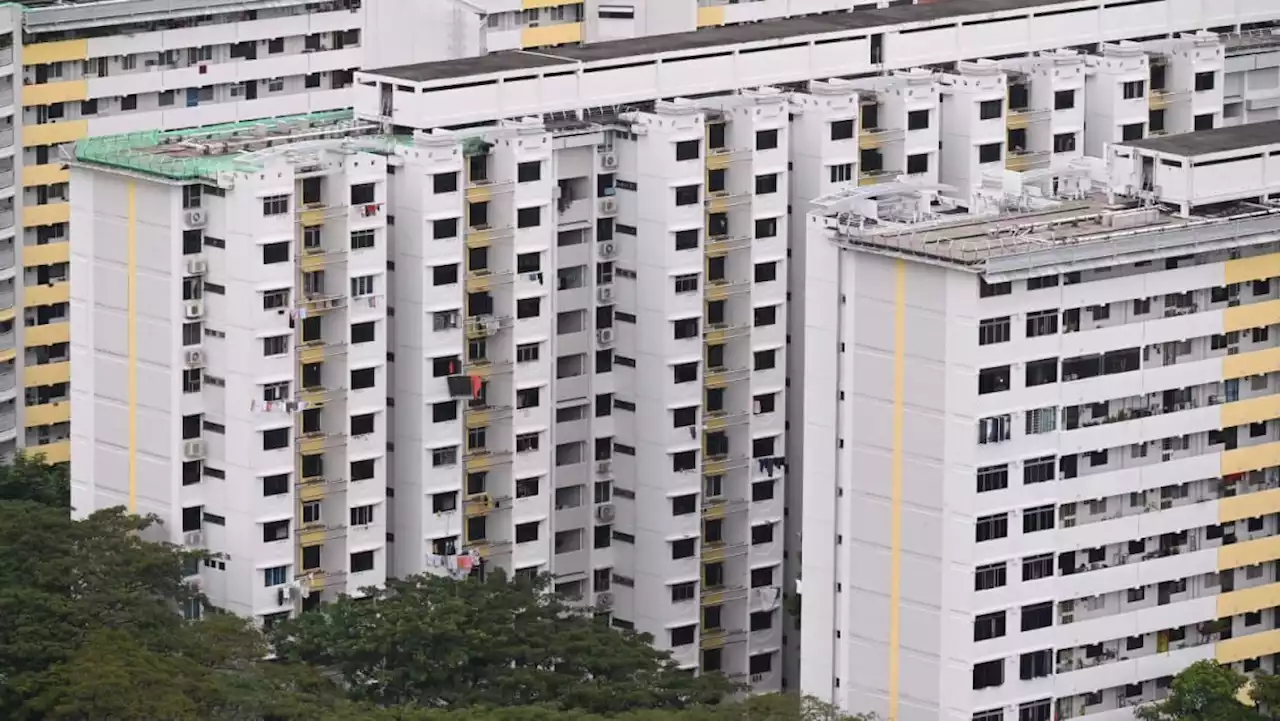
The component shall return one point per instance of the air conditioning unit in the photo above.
(605, 293)
(604, 601)
(605, 513)
(197, 265)
(193, 538)
(195, 217)
(603, 467)
(605, 336)
(608, 206)
(607, 249)
(193, 309)
(193, 450)
(608, 161)
(194, 358)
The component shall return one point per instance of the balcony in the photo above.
(712, 552)
(721, 464)
(720, 377)
(482, 280)
(482, 459)
(483, 326)
(873, 138)
(717, 420)
(1022, 118)
(717, 245)
(6, 176)
(6, 143)
(482, 415)
(478, 505)
(321, 302)
(480, 191)
(715, 333)
(721, 289)
(721, 158)
(48, 414)
(719, 637)
(717, 595)
(1024, 160)
(720, 201)
(721, 507)
(7, 258)
(6, 56)
(487, 548)
(1161, 99)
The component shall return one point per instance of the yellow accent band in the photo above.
(33, 255)
(7, 356)
(55, 52)
(1253, 315)
(33, 215)
(1250, 505)
(67, 131)
(131, 249)
(1254, 645)
(1248, 600)
(47, 374)
(551, 35)
(58, 452)
(1256, 363)
(711, 16)
(49, 93)
(1252, 458)
(48, 413)
(1249, 553)
(1244, 270)
(1253, 410)
(535, 4)
(48, 334)
(36, 175)
(895, 512)
(46, 294)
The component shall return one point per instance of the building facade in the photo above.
(1044, 480)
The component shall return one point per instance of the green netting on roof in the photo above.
(144, 151)
(475, 145)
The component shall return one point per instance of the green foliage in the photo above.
(437, 642)
(29, 478)
(1204, 691)
(91, 630)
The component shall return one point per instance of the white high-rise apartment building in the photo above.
(588, 316)
(1040, 446)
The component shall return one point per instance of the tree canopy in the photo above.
(1209, 691)
(91, 629)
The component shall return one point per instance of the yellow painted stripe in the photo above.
(131, 314)
(48, 414)
(34, 215)
(1249, 553)
(1262, 408)
(711, 16)
(551, 35)
(8, 314)
(1250, 364)
(1258, 267)
(52, 133)
(48, 93)
(1248, 600)
(535, 4)
(59, 452)
(1250, 505)
(1253, 315)
(55, 52)
(34, 255)
(46, 294)
(47, 374)
(35, 175)
(1240, 648)
(7, 356)
(1252, 458)
(48, 334)
(895, 511)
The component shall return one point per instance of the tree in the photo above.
(29, 478)
(442, 643)
(1203, 691)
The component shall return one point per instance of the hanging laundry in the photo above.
(477, 385)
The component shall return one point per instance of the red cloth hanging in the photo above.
(476, 385)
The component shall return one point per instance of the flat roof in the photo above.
(1218, 140)
(779, 29)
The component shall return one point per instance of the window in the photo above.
(527, 532)
(276, 576)
(1041, 372)
(995, 429)
(764, 359)
(684, 548)
(363, 332)
(275, 531)
(1205, 81)
(362, 285)
(841, 129)
(685, 372)
(275, 252)
(842, 172)
(1039, 518)
(275, 205)
(529, 217)
(989, 626)
(686, 239)
(1064, 142)
(993, 575)
(1043, 322)
(444, 274)
(766, 184)
(766, 139)
(761, 534)
(1132, 131)
(766, 315)
(687, 195)
(1203, 122)
(917, 119)
(682, 591)
(993, 330)
(990, 109)
(1036, 664)
(444, 412)
(444, 182)
(527, 442)
(988, 290)
(766, 227)
(1037, 615)
(527, 397)
(688, 150)
(993, 478)
(363, 378)
(1037, 567)
(686, 283)
(362, 515)
(362, 425)
(362, 561)
(988, 674)
(528, 307)
(684, 635)
(917, 164)
(989, 153)
(1064, 100)
(529, 171)
(275, 439)
(1038, 470)
(992, 527)
(1133, 89)
(444, 228)
(275, 485)
(993, 380)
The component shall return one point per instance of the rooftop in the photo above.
(204, 153)
(1026, 233)
(1218, 140)
(706, 38)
